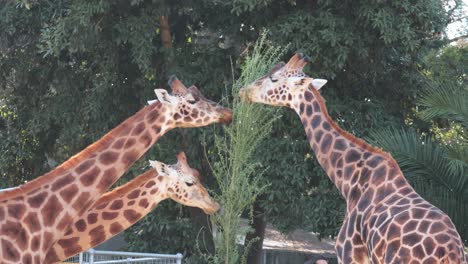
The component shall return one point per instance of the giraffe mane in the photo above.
(56, 172)
(359, 142)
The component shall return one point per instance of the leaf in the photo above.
(447, 100)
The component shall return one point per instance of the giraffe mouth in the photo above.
(244, 95)
(226, 116)
(212, 208)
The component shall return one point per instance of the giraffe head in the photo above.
(189, 108)
(283, 85)
(183, 184)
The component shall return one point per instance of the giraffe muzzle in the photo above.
(212, 208)
(244, 94)
(226, 116)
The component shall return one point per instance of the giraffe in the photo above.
(35, 215)
(386, 220)
(119, 209)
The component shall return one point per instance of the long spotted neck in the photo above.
(43, 209)
(352, 164)
(114, 212)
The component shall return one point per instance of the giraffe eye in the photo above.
(189, 184)
(273, 79)
(191, 101)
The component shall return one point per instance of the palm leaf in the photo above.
(458, 156)
(445, 100)
(420, 156)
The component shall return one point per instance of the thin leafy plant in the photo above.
(234, 167)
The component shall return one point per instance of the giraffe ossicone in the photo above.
(120, 208)
(36, 214)
(386, 220)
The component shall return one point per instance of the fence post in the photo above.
(91, 256)
(179, 258)
(80, 258)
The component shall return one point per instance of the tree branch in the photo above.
(165, 31)
(458, 19)
(452, 10)
(458, 38)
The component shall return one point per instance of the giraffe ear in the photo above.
(160, 167)
(189, 97)
(152, 163)
(318, 83)
(164, 97)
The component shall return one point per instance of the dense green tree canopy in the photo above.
(72, 70)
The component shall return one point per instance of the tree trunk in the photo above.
(200, 220)
(259, 225)
(197, 216)
(203, 225)
(165, 32)
(166, 39)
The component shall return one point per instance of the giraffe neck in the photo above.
(351, 164)
(44, 208)
(114, 212)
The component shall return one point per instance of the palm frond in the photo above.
(445, 100)
(458, 152)
(458, 156)
(420, 156)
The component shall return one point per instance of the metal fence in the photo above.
(110, 257)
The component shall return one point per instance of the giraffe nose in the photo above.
(212, 208)
(245, 94)
(242, 94)
(226, 116)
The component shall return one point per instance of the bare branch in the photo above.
(458, 19)
(458, 38)
(452, 10)
(165, 31)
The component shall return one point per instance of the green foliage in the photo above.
(447, 100)
(297, 184)
(431, 171)
(234, 167)
(169, 225)
(72, 70)
(447, 64)
(348, 34)
(325, 211)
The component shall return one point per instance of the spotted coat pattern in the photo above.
(119, 209)
(38, 213)
(386, 220)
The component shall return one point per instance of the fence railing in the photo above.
(110, 257)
